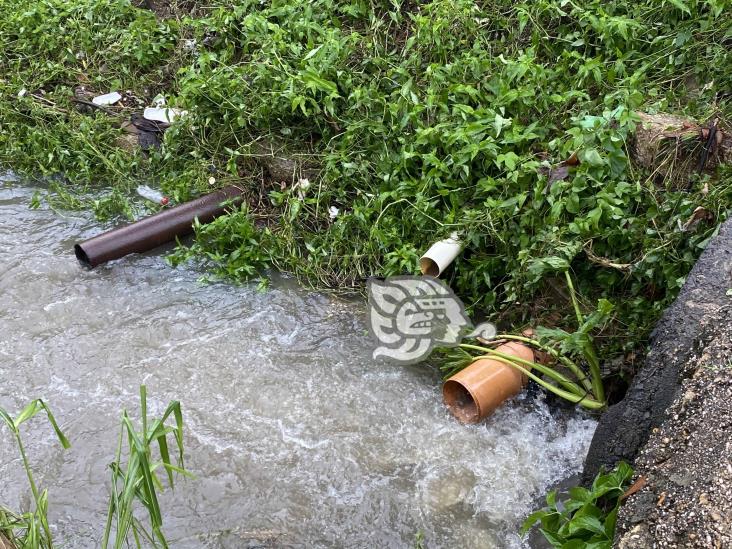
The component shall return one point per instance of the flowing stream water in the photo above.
(296, 437)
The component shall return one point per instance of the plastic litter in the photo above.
(151, 194)
(107, 99)
(163, 114)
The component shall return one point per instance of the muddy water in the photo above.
(296, 437)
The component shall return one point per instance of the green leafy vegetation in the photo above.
(413, 120)
(586, 518)
(135, 481)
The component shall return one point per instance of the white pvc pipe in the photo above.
(439, 256)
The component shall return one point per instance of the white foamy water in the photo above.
(296, 436)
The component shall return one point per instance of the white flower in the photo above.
(333, 212)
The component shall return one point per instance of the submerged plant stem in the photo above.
(568, 384)
(576, 370)
(589, 351)
(573, 393)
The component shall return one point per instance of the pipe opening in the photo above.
(460, 402)
(81, 256)
(429, 267)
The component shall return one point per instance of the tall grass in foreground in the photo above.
(139, 480)
(135, 480)
(28, 530)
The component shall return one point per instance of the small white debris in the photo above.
(301, 186)
(333, 212)
(107, 99)
(150, 194)
(159, 114)
(211, 180)
(22, 92)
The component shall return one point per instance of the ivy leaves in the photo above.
(586, 519)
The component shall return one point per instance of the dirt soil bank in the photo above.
(687, 462)
(676, 420)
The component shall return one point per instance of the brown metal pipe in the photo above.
(151, 232)
(476, 391)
